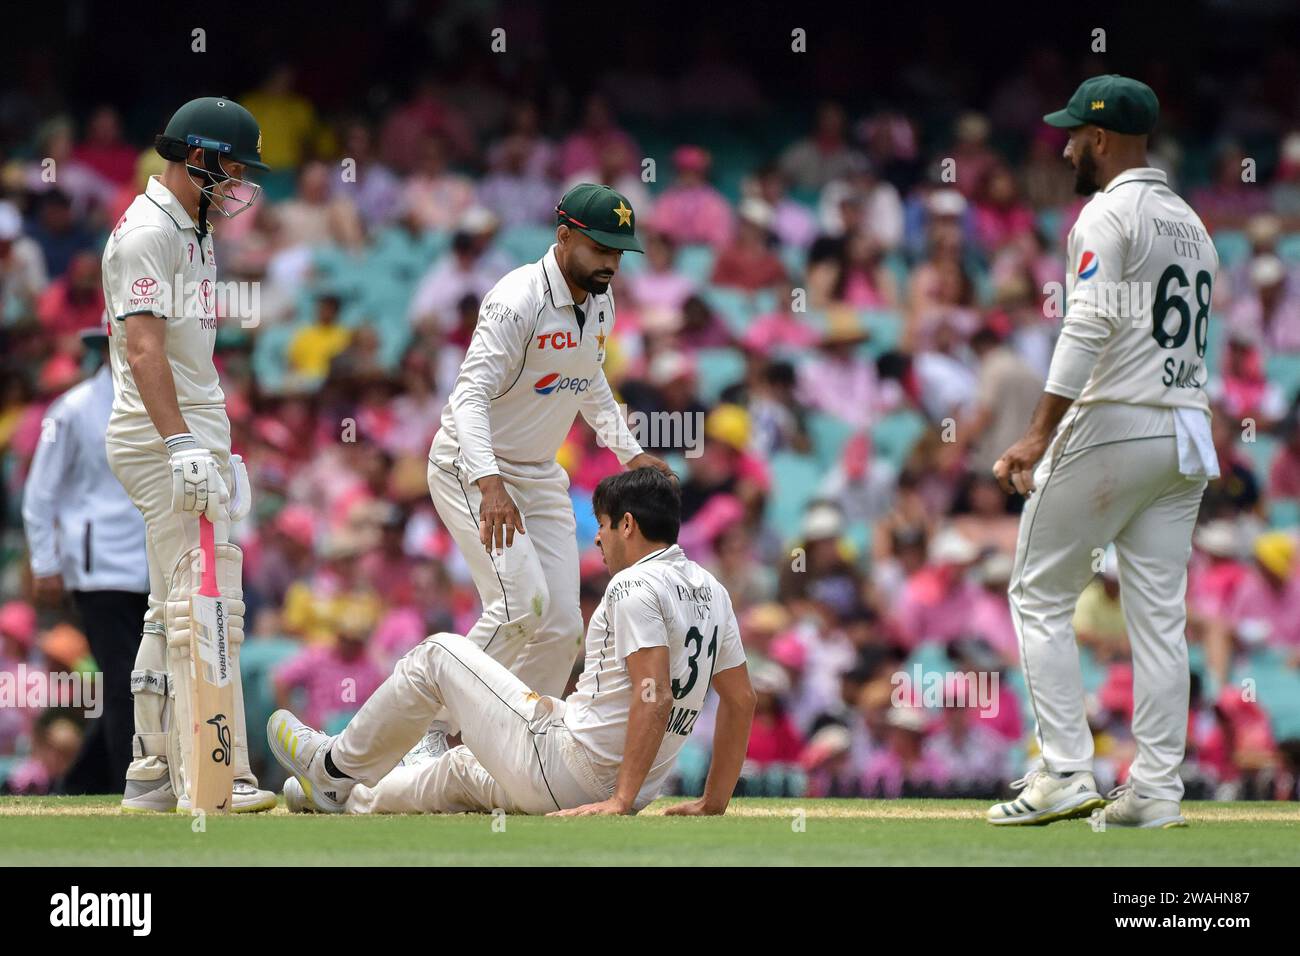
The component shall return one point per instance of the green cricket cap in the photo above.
(600, 213)
(1112, 102)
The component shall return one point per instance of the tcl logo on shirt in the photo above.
(555, 383)
(557, 340)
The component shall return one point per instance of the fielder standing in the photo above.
(168, 437)
(1119, 451)
(533, 364)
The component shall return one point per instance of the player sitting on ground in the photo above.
(663, 634)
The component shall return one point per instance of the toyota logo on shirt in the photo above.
(555, 383)
(144, 288)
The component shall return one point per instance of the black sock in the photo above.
(332, 770)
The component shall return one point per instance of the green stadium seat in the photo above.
(1261, 452)
(895, 435)
(886, 327)
(1233, 247)
(696, 263)
(715, 370)
(1288, 248)
(525, 243)
(828, 435)
(1277, 687)
(1284, 512)
(270, 362)
(797, 478)
(258, 659)
(1284, 372)
(734, 307)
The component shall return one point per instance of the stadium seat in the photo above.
(1284, 512)
(715, 370)
(797, 477)
(1284, 372)
(1277, 687)
(734, 307)
(258, 659)
(895, 435)
(1233, 247)
(1288, 248)
(696, 263)
(1261, 452)
(886, 327)
(828, 435)
(525, 243)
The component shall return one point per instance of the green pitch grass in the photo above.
(70, 831)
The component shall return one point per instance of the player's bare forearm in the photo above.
(1051, 409)
(146, 353)
(1015, 469)
(730, 742)
(647, 721)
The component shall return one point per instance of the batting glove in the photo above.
(241, 492)
(197, 486)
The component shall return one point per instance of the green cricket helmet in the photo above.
(226, 132)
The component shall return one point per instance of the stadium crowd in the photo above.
(858, 307)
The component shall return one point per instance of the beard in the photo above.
(594, 285)
(1085, 174)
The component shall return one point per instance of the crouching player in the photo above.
(664, 633)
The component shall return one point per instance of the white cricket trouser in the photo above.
(1110, 476)
(531, 622)
(141, 462)
(517, 756)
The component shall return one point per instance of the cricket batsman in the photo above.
(533, 364)
(664, 633)
(1118, 451)
(168, 437)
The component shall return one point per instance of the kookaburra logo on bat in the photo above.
(221, 752)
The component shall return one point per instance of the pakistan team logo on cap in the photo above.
(601, 214)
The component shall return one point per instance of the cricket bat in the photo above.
(212, 703)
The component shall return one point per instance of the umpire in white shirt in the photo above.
(86, 538)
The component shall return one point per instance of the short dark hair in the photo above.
(648, 495)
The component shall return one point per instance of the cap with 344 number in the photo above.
(1112, 102)
(601, 214)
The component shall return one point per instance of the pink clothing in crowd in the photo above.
(1263, 614)
(333, 684)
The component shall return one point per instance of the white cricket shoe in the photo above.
(245, 798)
(1130, 809)
(431, 746)
(1046, 798)
(301, 751)
(295, 800)
(149, 796)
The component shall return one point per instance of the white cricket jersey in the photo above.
(79, 521)
(155, 263)
(664, 600)
(1142, 269)
(528, 371)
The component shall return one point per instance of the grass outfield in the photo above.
(63, 831)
